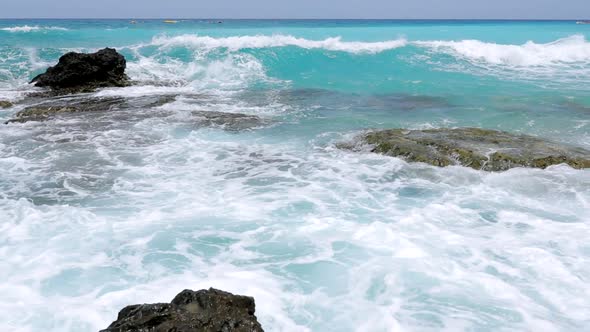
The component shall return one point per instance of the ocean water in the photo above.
(99, 211)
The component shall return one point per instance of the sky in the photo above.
(476, 9)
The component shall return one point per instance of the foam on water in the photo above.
(27, 28)
(262, 41)
(102, 210)
(573, 49)
(340, 236)
(570, 50)
(564, 61)
(231, 72)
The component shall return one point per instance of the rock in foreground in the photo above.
(480, 149)
(81, 72)
(202, 311)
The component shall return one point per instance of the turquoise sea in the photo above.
(101, 211)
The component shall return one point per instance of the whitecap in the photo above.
(570, 50)
(236, 43)
(28, 28)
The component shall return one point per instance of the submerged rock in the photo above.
(39, 113)
(228, 121)
(81, 72)
(202, 311)
(5, 104)
(133, 108)
(480, 149)
(53, 108)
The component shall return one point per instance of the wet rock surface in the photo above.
(228, 121)
(480, 149)
(38, 113)
(81, 72)
(209, 310)
(123, 109)
(5, 104)
(58, 106)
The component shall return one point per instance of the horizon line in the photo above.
(287, 19)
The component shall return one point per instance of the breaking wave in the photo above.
(236, 43)
(28, 28)
(573, 49)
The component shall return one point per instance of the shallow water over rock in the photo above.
(481, 149)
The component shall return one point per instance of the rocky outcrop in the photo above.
(481, 149)
(81, 72)
(202, 311)
(5, 104)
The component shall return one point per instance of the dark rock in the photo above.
(480, 149)
(202, 311)
(5, 104)
(228, 121)
(80, 72)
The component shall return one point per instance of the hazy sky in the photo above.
(528, 9)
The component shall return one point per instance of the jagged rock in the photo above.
(481, 149)
(202, 311)
(5, 104)
(228, 121)
(81, 72)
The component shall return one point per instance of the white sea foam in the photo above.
(263, 41)
(323, 239)
(15, 65)
(570, 50)
(565, 60)
(28, 28)
(229, 73)
(573, 49)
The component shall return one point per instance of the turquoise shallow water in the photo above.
(101, 211)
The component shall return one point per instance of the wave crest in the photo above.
(230, 73)
(570, 50)
(573, 49)
(237, 43)
(27, 28)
